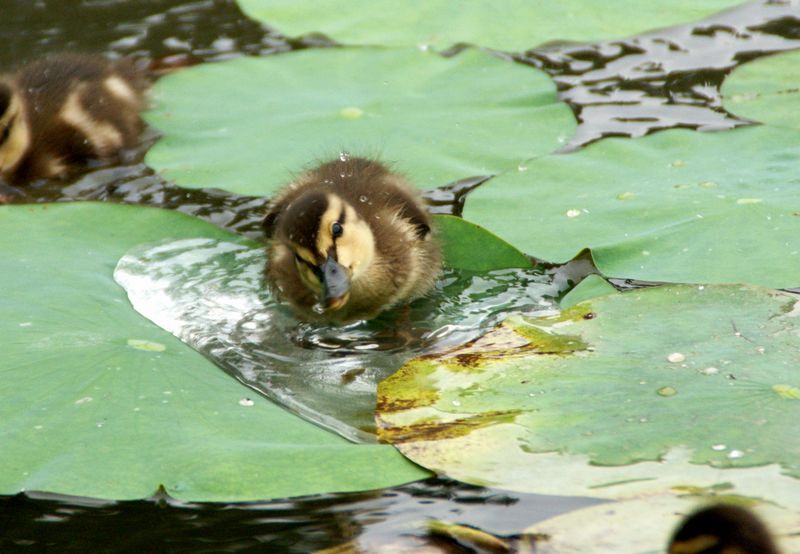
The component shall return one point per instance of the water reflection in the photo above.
(211, 295)
(370, 521)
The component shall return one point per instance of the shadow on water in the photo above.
(663, 79)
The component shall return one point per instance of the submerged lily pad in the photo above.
(249, 125)
(677, 206)
(211, 294)
(619, 395)
(766, 90)
(97, 401)
(509, 25)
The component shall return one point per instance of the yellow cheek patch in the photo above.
(355, 249)
(18, 142)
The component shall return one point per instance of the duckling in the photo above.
(59, 113)
(348, 240)
(722, 529)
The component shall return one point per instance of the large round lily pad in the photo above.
(510, 25)
(97, 401)
(766, 90)
(677, 206)
(623, 394)
(250, 125)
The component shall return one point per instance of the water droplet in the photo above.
(84, 400)
(362, 198)
(456, 403)
(708, 185)
(678, 163)
(667, 391)
(246, 402)
(26, 324)
(343, 157)
(645, 252)
(643, 420)
(522, 167)
(743, 201)
(676, 358)
(37, 427)
(761, 349)
(709, 371)
(718, 447)
(424, 47)
(99, 424)
(733, 454)
(573, 213)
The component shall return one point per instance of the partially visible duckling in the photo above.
(59, 113)
(722, 529)
(349, 239)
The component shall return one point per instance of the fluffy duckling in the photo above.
(349, 239)
(722, 529)
(59, 113)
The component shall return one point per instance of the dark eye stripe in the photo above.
(6, 130)
(314, 269)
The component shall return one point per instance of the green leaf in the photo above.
(677, 206)
(99, 402)
(618, 396)
(766, 90)
(469, 246)
(511, 25)
(252, 124)
(591, 287)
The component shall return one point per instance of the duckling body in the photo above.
(65, 110)
(722, 529)
(349, 239)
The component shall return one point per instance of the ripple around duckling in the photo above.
(211, 295)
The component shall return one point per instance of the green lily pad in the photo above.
(591, 287)
(676, 206)
(512, 25)
(469, 246)
(618, 396)
(766, 90)
(251, 124)
(97, 401)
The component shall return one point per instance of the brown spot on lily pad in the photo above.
(437, 430)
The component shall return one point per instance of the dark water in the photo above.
(663, 79)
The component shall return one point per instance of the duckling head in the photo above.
(333, 246)
(15, 136)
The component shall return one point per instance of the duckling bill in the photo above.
(61, 112)
(349, 239)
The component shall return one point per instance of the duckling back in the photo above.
(66, 110)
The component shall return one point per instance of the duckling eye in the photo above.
(337, 229)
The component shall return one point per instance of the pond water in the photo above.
(663, 79)
(210, 294)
